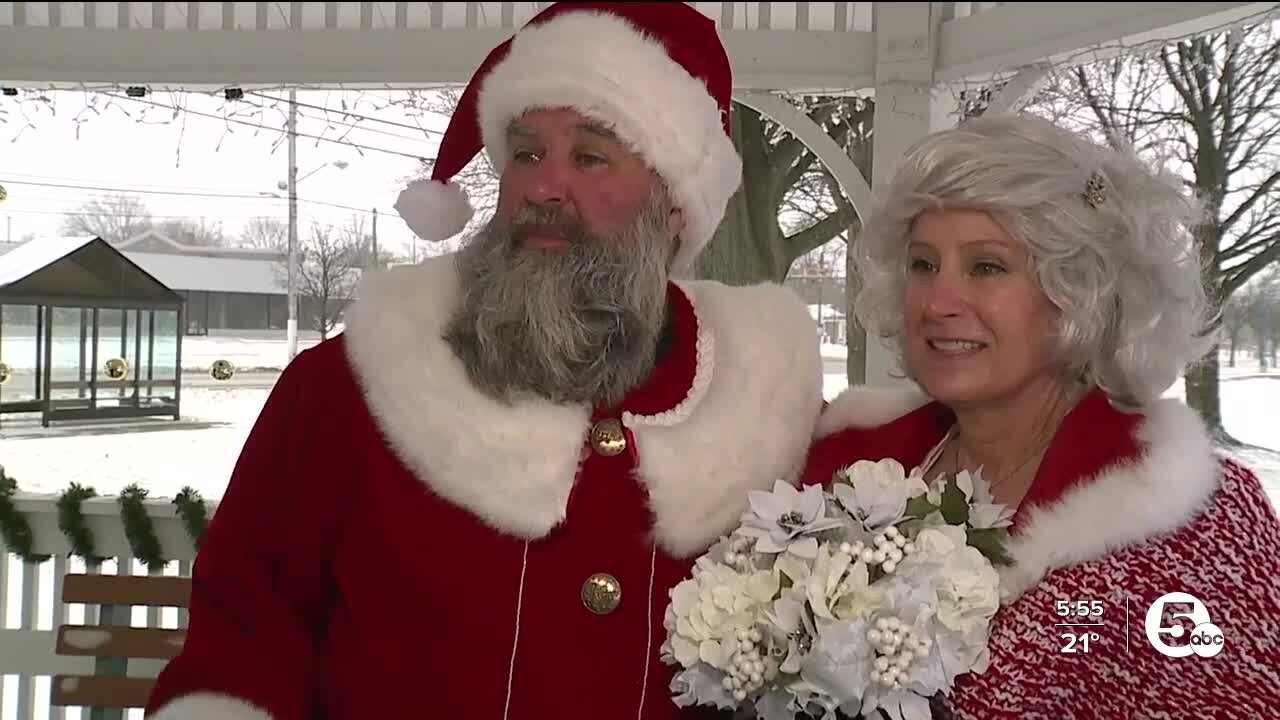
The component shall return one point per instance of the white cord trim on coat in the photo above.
(648, 647)
(515, 641)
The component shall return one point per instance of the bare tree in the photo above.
(265, 233)
(1235, 313)
(1209, 107)
(196, 232)
(782, 178)
(328, 270)
(114, 218)
(1262, 315)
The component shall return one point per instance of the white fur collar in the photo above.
(1126, 504)
(864, 406)
(747, 421)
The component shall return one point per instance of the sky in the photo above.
(142, 147)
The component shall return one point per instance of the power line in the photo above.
(234, 196)
(258, 126)
(151, 216)
(347, 113)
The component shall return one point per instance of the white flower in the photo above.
(701, 685)
(840, 662)
(939, 541)
(876, 493)
(708, 609)
(786, 519)
(984, 511)
(897, 704)
(968, 591)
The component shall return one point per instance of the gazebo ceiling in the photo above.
(773, 45)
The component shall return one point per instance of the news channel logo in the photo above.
(1206, 639)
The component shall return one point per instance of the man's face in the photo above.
(564, 291)
(558, 159)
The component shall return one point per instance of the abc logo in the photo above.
(1206, 638)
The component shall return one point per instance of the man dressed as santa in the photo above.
(473, 503)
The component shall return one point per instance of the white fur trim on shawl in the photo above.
(598, 64)
(1172, 482)
(209, 706)
(747, 422)
(864, 406)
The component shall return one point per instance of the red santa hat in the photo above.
(654, 72)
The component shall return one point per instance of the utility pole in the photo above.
(377, 263)
(293, 225)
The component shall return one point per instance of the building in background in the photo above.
(226, 291)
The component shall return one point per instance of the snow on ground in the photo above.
(202, 448)
(198, 353)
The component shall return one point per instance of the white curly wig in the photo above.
(1125, 275)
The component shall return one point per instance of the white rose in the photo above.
(968, 590)
(940, 541)
(708, 609)
(876, 493)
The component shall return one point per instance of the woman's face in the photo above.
(978, 328)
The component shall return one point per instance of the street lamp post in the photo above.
(292, 186)
(292, 332)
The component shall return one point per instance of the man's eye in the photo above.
(591, 160)
(920, 265)
(521, 155)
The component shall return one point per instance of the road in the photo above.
(254, 380)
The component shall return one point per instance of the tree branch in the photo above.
(788, 150)
(1240, 274)
(1251, 242)
(1263, 191)
(818, 235)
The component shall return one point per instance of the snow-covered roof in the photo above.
(29, 257)
(828, 312)
(186, 272)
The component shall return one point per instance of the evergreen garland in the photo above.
(139, 529)
(72, 523)
(13, 524)
(194, 513)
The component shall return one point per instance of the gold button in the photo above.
(601, 593)
(607, 437)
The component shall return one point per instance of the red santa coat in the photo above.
(395, 544)
(1126, 507)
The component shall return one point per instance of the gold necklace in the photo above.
(1039, 448)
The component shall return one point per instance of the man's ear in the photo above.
(675, 224)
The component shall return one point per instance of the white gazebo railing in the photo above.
(30, 596)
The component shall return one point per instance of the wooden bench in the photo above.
(113, 643)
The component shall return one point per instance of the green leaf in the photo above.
(919, 507)
(990, 542)
(955, 508)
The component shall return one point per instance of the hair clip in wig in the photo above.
(1095, 191)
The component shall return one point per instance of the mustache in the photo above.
(547, 221)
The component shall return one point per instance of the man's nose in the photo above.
(549, 183)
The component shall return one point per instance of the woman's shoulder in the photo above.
(865, 407)
(874, 423)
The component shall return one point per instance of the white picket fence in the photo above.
(30, 599)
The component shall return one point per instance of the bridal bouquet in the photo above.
(869, 595)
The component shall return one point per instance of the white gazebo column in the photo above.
(909, 105)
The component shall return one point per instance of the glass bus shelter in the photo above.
(85, 334)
